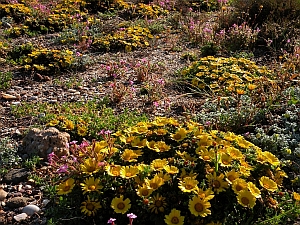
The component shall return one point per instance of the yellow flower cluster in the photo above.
(165, 158)
(129, 38)
(224, 75)
(80, 127)
(48, 60)
(17, 11)
(149, 11)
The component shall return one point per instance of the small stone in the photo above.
(53, 101)
(17, 202)
(9, 97)
(3, 194)
(31, 209)
(16, 103)
(77, 93)
(20, 217)
(33, 98)
(72, 90)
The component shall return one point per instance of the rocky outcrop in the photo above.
(43, 142)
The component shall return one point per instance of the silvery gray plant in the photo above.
(8, 153)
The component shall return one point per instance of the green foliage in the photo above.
(9, 157)
(32, 162)
(5, 80)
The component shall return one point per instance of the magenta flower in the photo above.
(62, 169)
(111, 221)
(131, 216)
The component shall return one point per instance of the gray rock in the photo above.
(15, 176)
(20, 217)
(17, 202)
(31, 209)
(43, 142)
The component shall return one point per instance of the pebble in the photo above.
(72, 90)
(31, 209)
(52, 101)
(33, 98)
(21, 216)
(16, 103)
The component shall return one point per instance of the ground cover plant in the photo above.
(193, 116)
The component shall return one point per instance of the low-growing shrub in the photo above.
(167, 171)
(220, 75)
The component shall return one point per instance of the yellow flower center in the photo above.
(145, 192)
(239, 187)
(115, 173)
(175, 220)
(245, 200)
(121, 205)
(128, 174)
(92, 187)
(90, 206)
(154, 185)
(90, 168)
(266, 185)
(231, 178)
(66, 188)
(216, 184)
(177, 136)
(198, 207)
(189, 187)
(158, 203)
(206, 157)
(225, 162)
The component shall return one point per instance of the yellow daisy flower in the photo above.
(235, 153)
(206, 155)
(165, 176)
(131, 155)
(179, 135)
(238, 185)
(160, 121)
(268, 184)
(90, 166)
(188, 184)
(144, 191)
(232, 175)
(119, 205)
(158, 164)
(161, 146)
(205, 195)
(174, 218)
(89, 207)
(137, 142)
(296, 196)
(151, 145)
(82, 130)
(246, 199)
(69, 125)
(155, 182)
(158, 204)
(254, 190)
(217, 182)
(272, 159)
(99, 145)
(160, 131)
(91, 184)
(113, 170)
(66, 187)
(128, 171)
(225, 160)
(171, 169)
(243, 143)
(199, 207)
